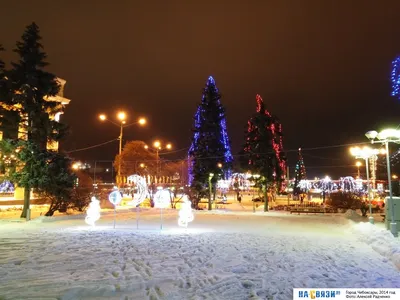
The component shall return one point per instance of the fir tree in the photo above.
(300, 174)
(210, 150)
(31, 86)
(263, 153)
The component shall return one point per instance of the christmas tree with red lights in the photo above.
(263, 152)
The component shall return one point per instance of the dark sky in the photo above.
(322, 67)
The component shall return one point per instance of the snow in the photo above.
(380, 239)
(221, 255)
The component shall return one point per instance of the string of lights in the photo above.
(395, 78)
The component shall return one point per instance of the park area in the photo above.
(227, 253)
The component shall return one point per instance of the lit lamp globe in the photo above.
(142, 121)
(102, 117)
(371, 135)
(157, 144)
(121, 116)
(169, 146)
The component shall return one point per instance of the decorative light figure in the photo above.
(115, 198)
(93, 212)
(185, 213)
(396, 77)
(142, 189)
(162, 198)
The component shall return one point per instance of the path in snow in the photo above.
(219, 257)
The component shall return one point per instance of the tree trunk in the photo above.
(265, 200)
(27, 199)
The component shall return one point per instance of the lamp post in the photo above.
(121, 116)
(210, 176)
(157, 147)
(365, 153)
(358, 165)
(386, 136)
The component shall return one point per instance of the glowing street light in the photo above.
(386, 136)
(157, 147)
(366, 153)
(121, 116)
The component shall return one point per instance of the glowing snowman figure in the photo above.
(185, 213)
(93, 212)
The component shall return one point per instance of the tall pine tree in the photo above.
(263, 153)
(300, 174)
(31, 89)
(210, 150)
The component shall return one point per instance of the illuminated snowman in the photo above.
(93, 212)
(185, 213)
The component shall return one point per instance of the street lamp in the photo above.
(386, 136)
(210, 176)
(366, 153)
(358, 165)
(121, 116)
(157, 147)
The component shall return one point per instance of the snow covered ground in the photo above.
(222, 255)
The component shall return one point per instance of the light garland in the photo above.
(185, 213)
(93, 212)
(395, 77)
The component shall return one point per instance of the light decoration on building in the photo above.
(162, 198)
(93, 212)
(224, 139)
(141, 189)
(395, 77)
(185, 213)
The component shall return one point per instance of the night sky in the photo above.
(323, 67)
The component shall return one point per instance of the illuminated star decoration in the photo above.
(396, 78)
(93, 212)
(185, 213)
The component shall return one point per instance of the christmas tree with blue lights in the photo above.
(395, 77)
(210, 151)
(300, 174)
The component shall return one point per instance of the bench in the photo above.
(307, 210)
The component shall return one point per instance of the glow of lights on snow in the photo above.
(185, 213)
(115, 198)
(142, 189)
(93, 212)
(162, 199)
